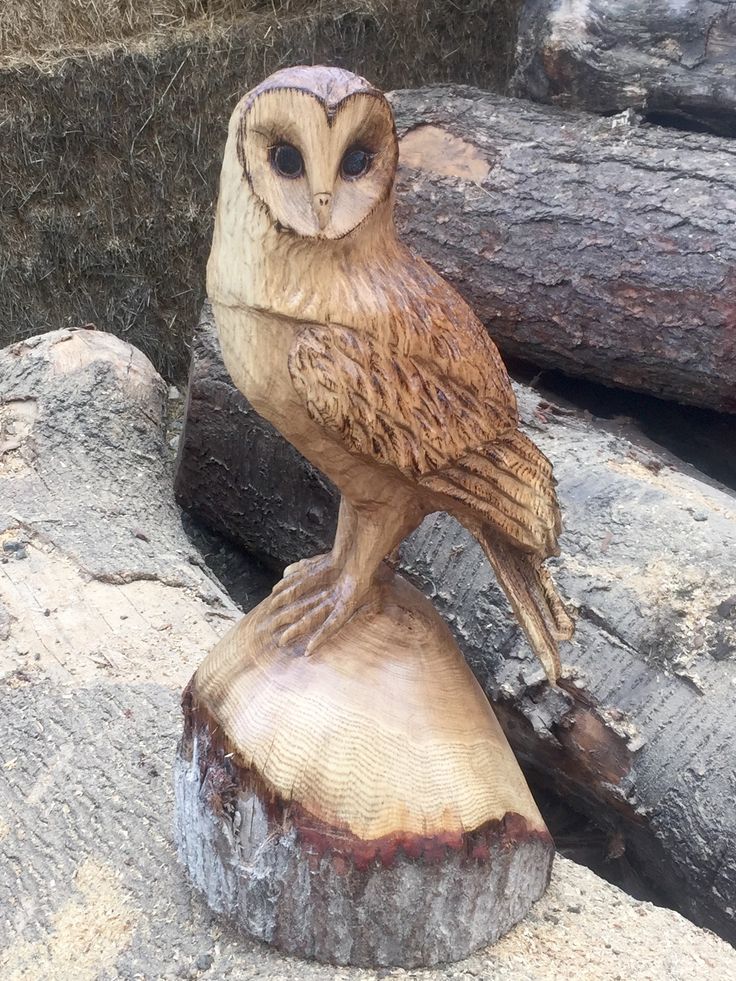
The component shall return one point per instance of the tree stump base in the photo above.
(361, 806)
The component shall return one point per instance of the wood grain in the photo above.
(338, 727)
(366, 360)
(384, 731)
(361, 806)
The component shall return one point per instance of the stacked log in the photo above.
(591, 245)
(95, 563)
(674, 62)
(94, 557)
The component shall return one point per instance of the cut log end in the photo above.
(361, 806)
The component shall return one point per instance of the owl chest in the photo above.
(255, 348)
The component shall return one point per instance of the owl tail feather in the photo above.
(533, 597)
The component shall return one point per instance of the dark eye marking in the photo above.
(286, 160)
(355, 163)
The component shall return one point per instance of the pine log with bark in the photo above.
(591, 245)
(639, 734)
(674, 62)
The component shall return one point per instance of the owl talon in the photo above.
(294, 615)
(304, 626)
(303, 569)
(300, 587)
(315, 611)
(289, 607)
(337, 619)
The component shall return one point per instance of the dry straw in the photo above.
(112, 120)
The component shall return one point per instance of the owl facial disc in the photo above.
(319, 150)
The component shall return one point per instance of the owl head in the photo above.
(318, 149)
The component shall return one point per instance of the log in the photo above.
(595, 246)
(89, 883)
(382, 832)
(674, 62)
(639, 734)
(93, 551)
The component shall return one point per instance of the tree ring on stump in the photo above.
(360, 806)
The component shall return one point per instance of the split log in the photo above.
(675, 62)
(381, 831)
(640, 733)
(598, 247)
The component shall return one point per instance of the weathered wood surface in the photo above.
(89, 881)
(94, 555)
(591, 245)
(644, 740)
(673, 61)
(317, 904)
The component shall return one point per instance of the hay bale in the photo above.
(111, 158)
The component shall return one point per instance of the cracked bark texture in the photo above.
(673, 60)
(640, 734)
(591, 245)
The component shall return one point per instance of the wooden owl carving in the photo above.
(366, 360)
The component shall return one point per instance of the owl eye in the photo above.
(355, 163)
(286, 160)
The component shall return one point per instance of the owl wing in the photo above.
(442, 413)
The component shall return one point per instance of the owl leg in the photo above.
(324, 595)
(312, 573)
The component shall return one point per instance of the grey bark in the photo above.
(640, 735)
(595, 246)
(251, 864)
(673, 61)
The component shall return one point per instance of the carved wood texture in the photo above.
(366, 360)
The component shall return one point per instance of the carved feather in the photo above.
(415, 414)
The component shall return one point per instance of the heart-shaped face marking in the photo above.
(320, 167)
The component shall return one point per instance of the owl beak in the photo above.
(322, 206)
